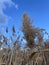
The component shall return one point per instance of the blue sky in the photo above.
(11, 12)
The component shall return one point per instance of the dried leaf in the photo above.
(13, 29)
(7, 30)
(32, 55)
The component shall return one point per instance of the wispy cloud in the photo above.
(3, 17)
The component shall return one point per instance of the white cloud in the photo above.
(16, 6)
(3, 17)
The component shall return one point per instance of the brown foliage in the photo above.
(32, 54)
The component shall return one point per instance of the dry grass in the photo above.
(34, 53)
